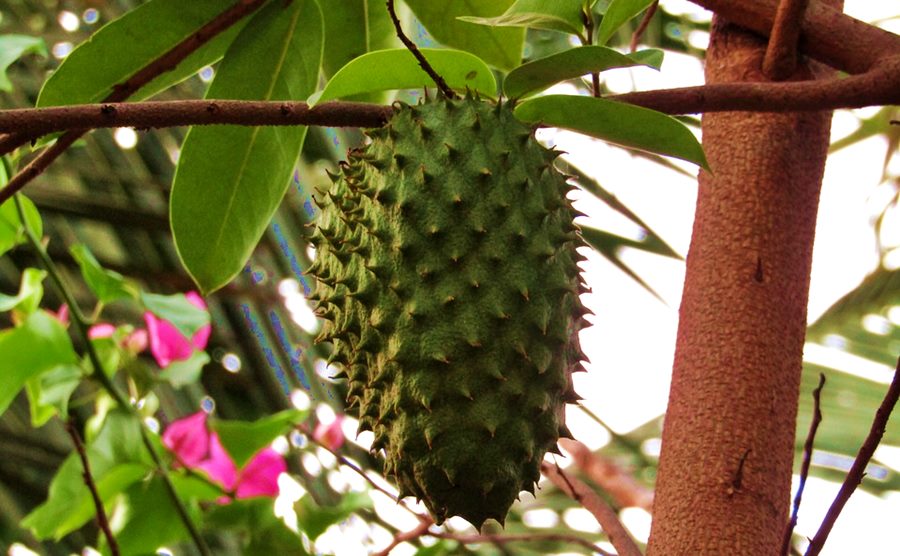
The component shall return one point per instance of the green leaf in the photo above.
(618, 13)
(121, 48)
(13, 47)
(186, 317)
(255, 519)
(49, 393)
(182, 373)
(31, 291)
(540, 74)
(230, 179)
(12, 232)
(117, 459)
(554, 15)
(398, 69)
(314, 519)
(352, 28)
(148, 519)
(501, 48)
(107, 285)
(242, 439)
(38, 345)
(616, 122)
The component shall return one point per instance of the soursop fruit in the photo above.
(447, 275)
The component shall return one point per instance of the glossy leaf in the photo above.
(188, 371)
(617, 14)
(230, 179)
(38, 345)
(117, 459)
(616, 122)
(31, 290)
(353, 28)
(12, 232)
(499, 47)
(150, 519)
(13, 47)
(540, 74)
(255, 520)
(554, 15)
(176, 309)
(314, 519)
(121, 48)
(242, 439)
(107, 285)
(49, 393)
(398, 69)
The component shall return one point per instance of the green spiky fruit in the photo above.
(447, 274)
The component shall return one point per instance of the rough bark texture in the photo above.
(727, 453)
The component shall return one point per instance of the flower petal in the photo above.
(219, 465)
(188, 439)
(102, 330)
(330, 435)
(166, 342)
(260, 476)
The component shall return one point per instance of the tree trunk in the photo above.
(728, 441)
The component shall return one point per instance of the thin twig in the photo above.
(858, 469)
(587, 17)
(81, 326)
(605, 515)
(402, 537)
(414, 50)
(102, 520)
(122, 91)
(781, 53)
(804, 467)
(642, 26)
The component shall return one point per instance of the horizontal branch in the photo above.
(827, 35)
(881, 86)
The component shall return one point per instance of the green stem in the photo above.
(81, 325)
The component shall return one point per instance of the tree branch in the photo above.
(858, 469)
(804, 467)
(122, 91)
(414, 50)
(781, 52)
(102, 520)
(827, 35)
(605, 515)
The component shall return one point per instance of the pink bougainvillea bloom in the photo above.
(62, 315)
(199, 448)
(167, 344)
(137, 341)
(260, 476)
(330, 435)
(102, 330)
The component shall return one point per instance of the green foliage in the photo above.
(259, 530)
(49, 392)
(243, 439)
(125, 46)
(182, 373)
(221, 203)
(186, 317)
(107, 285)
(617, 14)
(38, 345)
(502, 48)
(314, 519)
(556, 15)
(13, 47)
(544, 72)
(117, 459)
(400, 70)
(12, 232)
(353, 28)
(454, 312)
(623, 124)
(31, 290)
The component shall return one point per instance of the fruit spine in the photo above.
(447, 274)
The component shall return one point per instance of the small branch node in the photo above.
(781, 53)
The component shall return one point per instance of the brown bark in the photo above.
(728, 440)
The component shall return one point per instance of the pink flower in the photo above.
(199, 448)
(102, 330)
(137, 341)
(330, 435)
(62, 315)
(166, 342)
